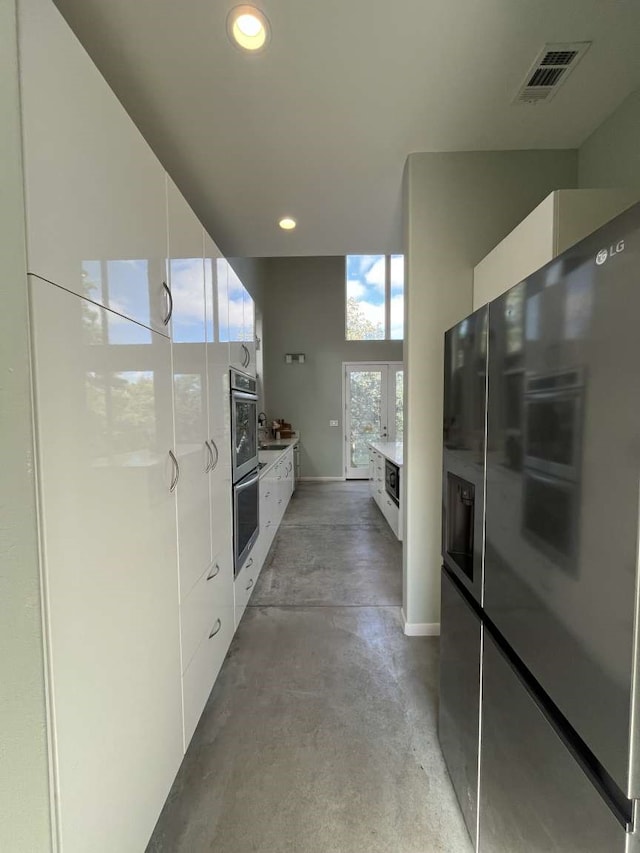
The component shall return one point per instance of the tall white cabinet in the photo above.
(104, 429)
(562, 219)
(131, 330)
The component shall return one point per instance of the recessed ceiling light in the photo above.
(287, 223)
(248, 28)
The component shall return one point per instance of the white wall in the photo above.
(457, 207)
(610, 157)
(24, 775)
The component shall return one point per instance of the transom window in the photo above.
(374, 297)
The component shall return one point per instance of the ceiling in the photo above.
(319, 125)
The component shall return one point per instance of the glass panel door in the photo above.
(374, 402)
(366, 407)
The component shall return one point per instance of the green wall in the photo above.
(303, 308)
(457, 207)
(610, 157)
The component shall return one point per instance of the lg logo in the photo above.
(604, 254)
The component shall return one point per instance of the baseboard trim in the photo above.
(420, 629)
(321, 479)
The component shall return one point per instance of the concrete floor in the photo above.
(320, 733)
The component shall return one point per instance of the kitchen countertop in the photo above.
(272, 457)
(391, 450)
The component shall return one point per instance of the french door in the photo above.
(373, 395)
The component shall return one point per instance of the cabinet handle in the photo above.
(216, 628)
(210, 462)
(250, 584)
(280, 501)
(214, 571)
(170, 304)
(214, 462)
(247, 356)
(176, 472)
(267, 494)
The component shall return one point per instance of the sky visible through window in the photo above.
(369, 290)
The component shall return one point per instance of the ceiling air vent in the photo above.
(553, 65)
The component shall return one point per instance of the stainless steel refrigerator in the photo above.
(559, 722)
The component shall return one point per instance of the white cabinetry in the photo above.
(562, 219)
(203, 453)
(137, 562)
(276, 489)
(95, 193)
(104, 433)
(188, 345)
(207, 620)
(377, 489)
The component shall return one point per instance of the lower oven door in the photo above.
(246, 518)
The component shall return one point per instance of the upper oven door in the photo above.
(244, 434)
(553, 420)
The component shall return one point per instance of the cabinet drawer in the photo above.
(203, 669)
(244, 585)
(201, 608)
(391, 512)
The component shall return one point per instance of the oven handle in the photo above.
(240, 487)
(244, 395)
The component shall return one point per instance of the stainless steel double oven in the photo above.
(244, 465)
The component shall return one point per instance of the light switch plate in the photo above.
(333, 423)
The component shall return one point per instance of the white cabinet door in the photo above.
(95, 192)
(216, 275)
(188, 342)
(242, 347)
(104, 431)
(218, 402)
(204, 667)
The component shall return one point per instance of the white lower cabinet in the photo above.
(204, 666)
(391, 513)
(104, 431)
(276, 489)
(212, 594)
(378, 491)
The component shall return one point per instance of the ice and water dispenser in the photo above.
(459, 517)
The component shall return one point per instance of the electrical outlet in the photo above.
(333, 423)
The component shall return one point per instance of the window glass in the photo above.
(366, 284)
(374, 297)
(399, 405)
(396, 297)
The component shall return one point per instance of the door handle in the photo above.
(166, 319)
(176, 472)
(210, 463)
(214, 462)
